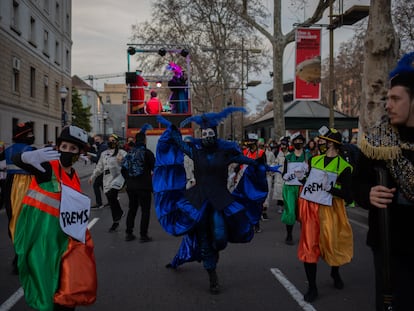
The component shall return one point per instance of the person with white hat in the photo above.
(56, 262)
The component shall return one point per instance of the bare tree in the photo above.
(214, 33)
(403, 18)
(380, 54)
(279, 42)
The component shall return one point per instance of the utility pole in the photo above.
(331, 66)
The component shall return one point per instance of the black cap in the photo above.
(22, 130)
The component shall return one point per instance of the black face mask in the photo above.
(27, 140)
(209, 142)
(298, 146)
(111, 145)
(97, 143)
(131, 144)
(322, 148)
(68, 158)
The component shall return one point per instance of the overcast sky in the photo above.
(101, 31)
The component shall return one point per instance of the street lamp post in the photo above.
(105, 117)
(123, 130)
(63, 94)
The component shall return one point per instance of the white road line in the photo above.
(358, 223)
(9, 303)
(292, 290)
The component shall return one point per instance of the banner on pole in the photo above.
(308, 64)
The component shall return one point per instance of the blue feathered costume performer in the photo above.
(207, 215)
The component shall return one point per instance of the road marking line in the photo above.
(292, 290)
(9, 303)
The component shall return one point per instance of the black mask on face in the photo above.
(298, 146)
(131, 144)
(97, 143)
(209, 142)
(27, 140)
(322, 148)
(68, 158)
(111, 145)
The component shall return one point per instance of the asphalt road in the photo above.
(262, 275)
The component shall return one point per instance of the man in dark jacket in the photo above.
(137, 168)
(385, 187)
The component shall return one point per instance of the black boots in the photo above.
(289, 239)
(214, 285)
(338, 283)
(312, 293)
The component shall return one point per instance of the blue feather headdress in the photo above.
(211, 119)
(403, 73)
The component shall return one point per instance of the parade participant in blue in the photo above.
(325, 229)
(207, 214)
(17, 180)
(384, 185)
(55, 250)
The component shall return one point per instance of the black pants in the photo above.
(402, 280)
(139, 198)
(97, 186)
(112, 196)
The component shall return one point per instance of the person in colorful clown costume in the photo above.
(325, 229)
(385, 187)
(55, 253)
(207, 214)
(17, 180)
(178, 86)
(294, 169)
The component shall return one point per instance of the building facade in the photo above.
(35, 62)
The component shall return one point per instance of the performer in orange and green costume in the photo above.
(57, 271)
(325, 229)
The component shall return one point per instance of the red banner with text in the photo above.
(308, 64)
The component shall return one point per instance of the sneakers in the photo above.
(145, 239)
(96, 206)
(265, 217)
(130, 237)
(114, 226)
(257, 229)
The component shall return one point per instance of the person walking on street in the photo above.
(100, 146)
(278, 180)
(56, 262)
(294, 169)
(109, 165)
(271, 161)
(384, 185)
(17, 179)
(137, 168)
(325, 229)
(253, 152)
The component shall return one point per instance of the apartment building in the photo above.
(35, 62)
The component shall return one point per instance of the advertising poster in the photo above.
(308, 64)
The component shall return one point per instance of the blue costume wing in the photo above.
(175, 214)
